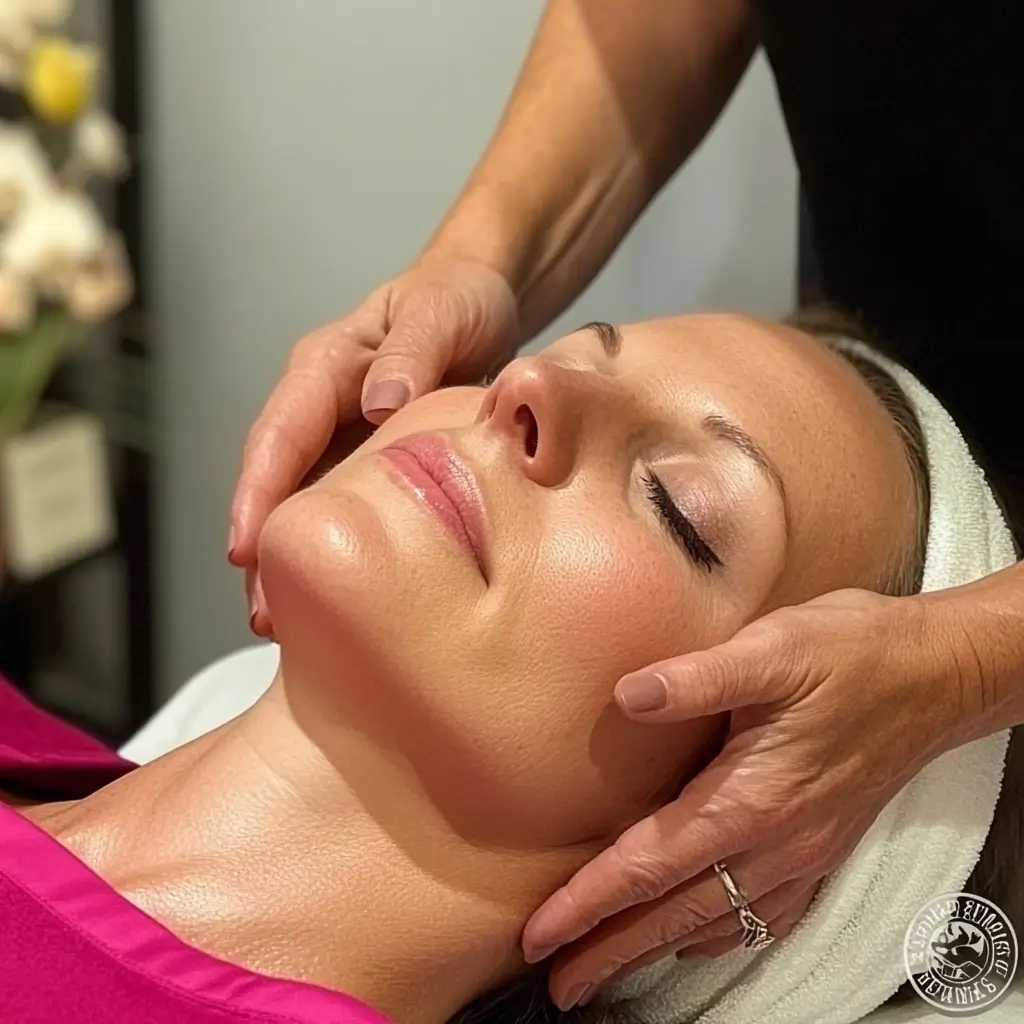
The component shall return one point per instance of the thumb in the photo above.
(411, 361)
(736, 674)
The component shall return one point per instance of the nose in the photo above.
(534, 404)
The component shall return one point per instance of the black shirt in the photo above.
(907, 122)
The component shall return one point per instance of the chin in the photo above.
(353, 572)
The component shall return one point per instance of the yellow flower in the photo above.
(59, 79)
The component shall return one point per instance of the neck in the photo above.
(258, 847)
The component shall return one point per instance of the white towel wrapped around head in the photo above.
(846, 957)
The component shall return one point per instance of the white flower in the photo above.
(53, 233)
(16, 31)
(17, 303)
(21, 22)
(45, 13)
(98, 145)
(12, 67)
(102, 287)
(25, 172)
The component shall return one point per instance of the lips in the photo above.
(446, 485)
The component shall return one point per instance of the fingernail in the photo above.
(576, 996)
(534, 956)
(259, 602)
(386, 396)
(640, 694)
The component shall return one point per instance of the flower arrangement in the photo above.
(62, 269)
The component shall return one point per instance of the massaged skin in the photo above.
(454, 604)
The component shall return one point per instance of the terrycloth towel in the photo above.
(846, 957)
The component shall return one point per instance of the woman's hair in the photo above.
(832, 328)
(525, 1000)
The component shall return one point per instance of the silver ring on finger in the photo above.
(756, 935)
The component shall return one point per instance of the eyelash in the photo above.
(682, 529)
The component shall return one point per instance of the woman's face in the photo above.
(475, 579)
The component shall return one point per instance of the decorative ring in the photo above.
(755, 931)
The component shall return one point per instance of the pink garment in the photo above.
(72, 951)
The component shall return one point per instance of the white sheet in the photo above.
(229, 686)
(212, 697)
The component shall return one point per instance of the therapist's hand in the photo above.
(835, 704)
(446, 320)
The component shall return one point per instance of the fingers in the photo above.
(674, 844)
(700, 907)
(411, 360)
(259, 619)
(726, 933)
(752, 668)
(781, 910)
(319, 390)
(284, 442)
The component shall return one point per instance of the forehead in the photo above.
(774, 382)
(726, 346)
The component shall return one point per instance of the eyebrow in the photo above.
(731, 433)
(608, 334)
(718, 427)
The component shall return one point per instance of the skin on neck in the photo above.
(258, 847)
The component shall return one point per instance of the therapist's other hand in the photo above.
(446, 320)
(835, 705)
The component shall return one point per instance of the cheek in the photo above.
(604, 599)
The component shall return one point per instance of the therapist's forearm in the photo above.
(611, 100)
(978, 631)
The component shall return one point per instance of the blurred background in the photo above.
(252, 169)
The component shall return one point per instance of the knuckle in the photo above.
(647, 876)
(773, 814)
(686, 915)
(337, 342)
(617, 961)
(667, 932)
(397, 361)
(579, 908)
(817, 850)
(713, 676)
(267, 433)
(791, 637)
(720, 928)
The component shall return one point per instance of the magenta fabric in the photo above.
(72, 951)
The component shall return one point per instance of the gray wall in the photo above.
(300, 153)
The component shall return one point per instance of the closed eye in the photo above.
(682, 529)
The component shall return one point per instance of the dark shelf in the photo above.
(13, 591)
(31, 617)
